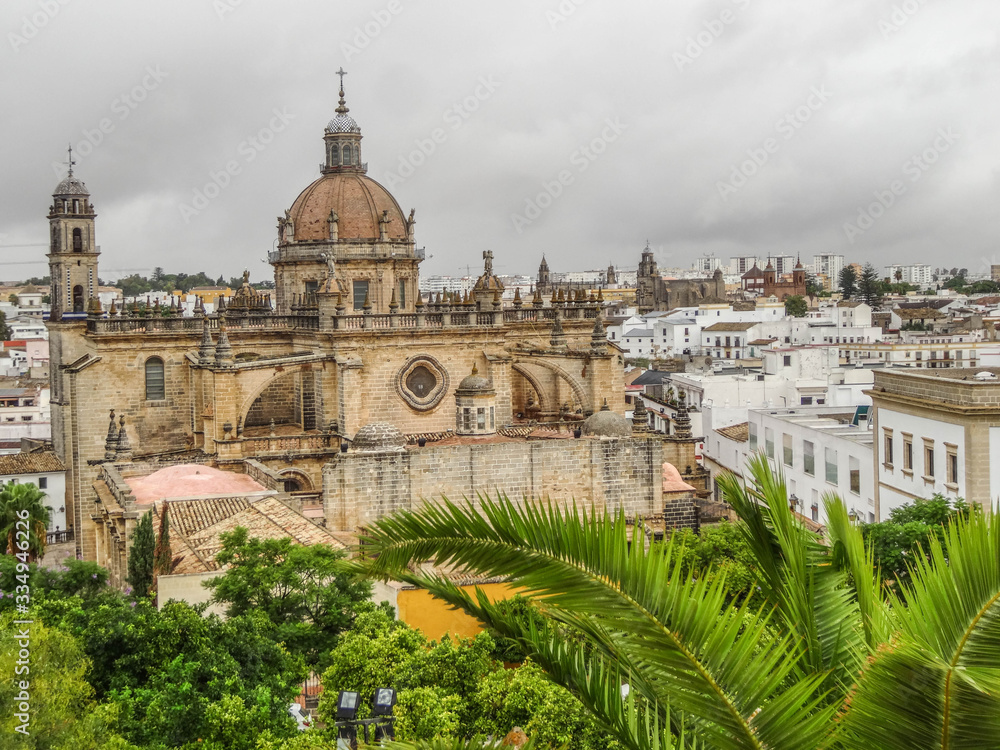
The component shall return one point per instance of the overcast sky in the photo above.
(575, 129)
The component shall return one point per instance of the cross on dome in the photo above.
(70, 163)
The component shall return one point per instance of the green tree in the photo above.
(848, 282)
(173, 676)
(14, 299)
(896, 542)
(46, 299)
(62, 713)
(22, 513)
(796, 306)
(304, 590)
(4, 328)
(870, 287)
(813, 287)
(162, 555)
(833, 661)
(140, 557)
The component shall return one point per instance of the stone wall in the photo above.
(359, 488)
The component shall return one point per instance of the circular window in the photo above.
(422, 383)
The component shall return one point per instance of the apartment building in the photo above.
(936, 432)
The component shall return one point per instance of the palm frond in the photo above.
(796, 574)
(682, 644)
(849, 554)
(938, 686)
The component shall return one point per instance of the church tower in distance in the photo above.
(73, 251)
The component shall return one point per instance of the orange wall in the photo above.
(418, 609)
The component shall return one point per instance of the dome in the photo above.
(359, 202)
(475, 383)
(379, 437)
(71, 186)
(607, 423)
(343, 124)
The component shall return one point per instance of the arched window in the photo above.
(347, 154)
(357, 155)
(77, 240)
(155, 390)
(334, 155)
(78, 298)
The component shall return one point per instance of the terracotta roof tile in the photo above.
(39, 462)
(738, 432)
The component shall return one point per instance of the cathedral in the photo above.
(348, 390)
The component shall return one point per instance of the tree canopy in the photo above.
(306, 592)
(796, 306)
(848, 282)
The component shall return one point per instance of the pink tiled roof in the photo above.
(190, 480)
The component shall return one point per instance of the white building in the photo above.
(43, 469)
(24, 412)
(707, 264)
(938, 432)
(919, 274)
(818, 449)
(829, 265)
(740, 264)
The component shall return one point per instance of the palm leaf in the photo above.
(682, 644)
(797, 575)
(938, 686)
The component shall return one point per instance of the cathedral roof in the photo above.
(359, 202)
(71, 186)
(378, 437)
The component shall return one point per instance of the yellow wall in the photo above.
(418, 609)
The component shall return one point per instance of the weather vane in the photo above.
(70, 163)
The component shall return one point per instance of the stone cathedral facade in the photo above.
(321, 392)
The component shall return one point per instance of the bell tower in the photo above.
(73, 251)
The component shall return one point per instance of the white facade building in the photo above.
(819, 450)
(44, 470)
(919, 274)
(829, 265)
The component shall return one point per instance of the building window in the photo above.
(155, 389)
(347, 154)
(787, 360)
(952, 464)
(831, 465)
(77, 241)
(806, 401)
(887, 449)
(769, 442)
(481, 418)
(43, 483)
(752, 434)
(815, 512)
(907, 452)
(809, 458)
(854, 465)
(928, 458)
(786, 449)
(360, 294)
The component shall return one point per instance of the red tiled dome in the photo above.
(359, 202)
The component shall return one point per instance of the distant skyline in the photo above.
(574, 128)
